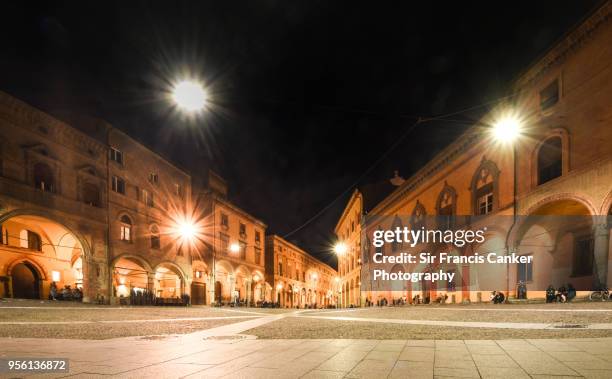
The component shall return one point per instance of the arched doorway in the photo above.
(26, 281)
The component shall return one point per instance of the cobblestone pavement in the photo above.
(185, 356)
(224, 351)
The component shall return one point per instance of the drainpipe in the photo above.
(109, 281)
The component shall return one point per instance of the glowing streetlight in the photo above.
(315, 276)
(337, 279)
(279, 286)
(234, 247)
(189, 96)
(340, 248)
(187, 230)
(507, 129)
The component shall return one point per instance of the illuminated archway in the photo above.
(43, 253)
(169, 281)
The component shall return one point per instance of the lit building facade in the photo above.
(562, 164)
(229, 266)
(348, 232)
(95, 209)
(298, 279)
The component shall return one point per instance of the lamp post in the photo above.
(506, 131)
(191, 98)
(340, 249)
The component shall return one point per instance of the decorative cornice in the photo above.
(454, 150)
(568, 44)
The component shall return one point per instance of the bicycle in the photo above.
(600, 295)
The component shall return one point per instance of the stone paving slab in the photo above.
(188, 357)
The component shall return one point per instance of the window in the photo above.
(224, 221)
(55, 276)
(549, 96)
(91, 194)
(242, 250)
(280, 268)
(153, 178)
(549, 160)
(125, 229)
(524, 272)
(30, 240)
(257, 256)
(43, 177)
(395, 245)
(352, 226)
(484, 188)
(147, 198)
(450, 285)
(178, 190)
(484, 200)
(257, 238)
(118, 185)
(417, 220)
(242, 230)
(5, 235)
(155, 240)
(583, 256)
(446, 207)
(116, 155)
(179, 251)
(224, 238)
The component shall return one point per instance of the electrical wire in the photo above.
(419, 120)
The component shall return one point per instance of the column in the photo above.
(601, 238)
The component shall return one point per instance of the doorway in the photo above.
(26, 281)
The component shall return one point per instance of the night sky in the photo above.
(305, 95)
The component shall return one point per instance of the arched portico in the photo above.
(38, 250)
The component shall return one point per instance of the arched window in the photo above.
(395, 245)
(126, 228)
(30, 240)
(43, 177)
(446, 206)
(155, 239)
(91, 194)
(417, 220)
(485, 188)
(550, 164)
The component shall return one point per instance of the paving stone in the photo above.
(500, 361)
(406, 369)
(370, 368)
(502, 373)
(320, 374)
(383, 355)
(456, 372)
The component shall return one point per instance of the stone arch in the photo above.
(170, 285)
(606, 206)
(141, 260)
(39, 268)
(86, 247)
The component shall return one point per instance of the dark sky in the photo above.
(306, 95)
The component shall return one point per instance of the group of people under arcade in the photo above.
(66, 293)
(561, 294)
